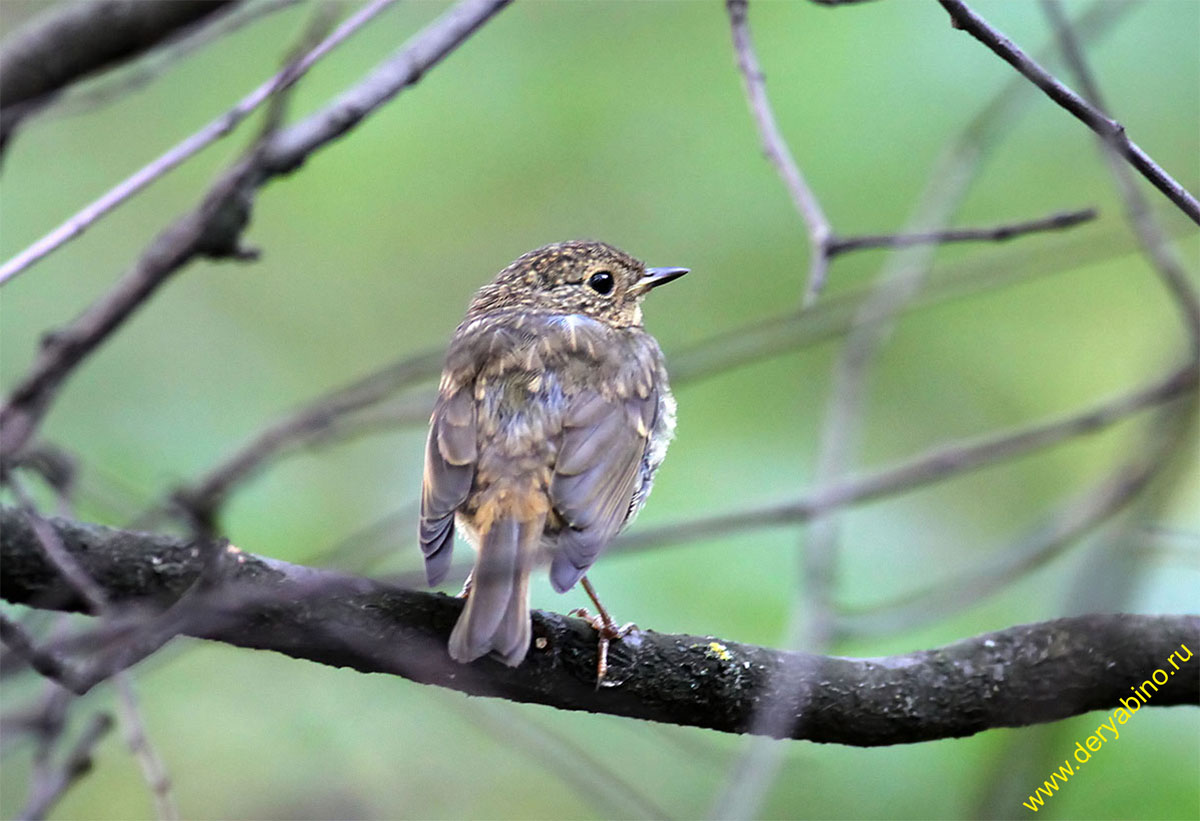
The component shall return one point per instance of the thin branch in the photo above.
(963, 17)
(898, 284)
(558, 754)
(824, 244)
(1042, 544)
(820, 232)
(1137, 210)
(154, 771)
(80, 679)
(214, 228)
(949, 460)
(812, 621)
(76, 765)
(203, 498)
(87, 216)
(46, 662)
(342, 414)
(934, 465)
(999, 233)
(292, 146)
(46, 724)
(1006, 678)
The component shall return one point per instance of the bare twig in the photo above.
(898, 284)
(835, 315)
(45, 662)
(1047, 540)
(177, 154)
(952, 459)
(1110, 130)
(154, 771)
(934, 465)
(292, 146)
(824, 244)
(214, 228)
(1137, 210)
(204, 497)
(344, 414)
(558, 754)
(820, 232)
(80, 679)
(813, 615)
(46, 724)
(999, 233)
(76, 765)
(55, 466)
(678, 679)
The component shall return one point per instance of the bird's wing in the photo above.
(450, 457)
(597, 473)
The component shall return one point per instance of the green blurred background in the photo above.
(627, 122)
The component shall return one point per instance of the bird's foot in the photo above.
(608, 632)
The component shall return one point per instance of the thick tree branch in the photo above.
(1010, 678)
(79, 39)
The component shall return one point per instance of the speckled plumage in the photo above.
(553, 414)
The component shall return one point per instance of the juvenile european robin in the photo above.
(552, 416)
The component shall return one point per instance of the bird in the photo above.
(553, 414)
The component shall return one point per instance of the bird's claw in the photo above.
(608, 633)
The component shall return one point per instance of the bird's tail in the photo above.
(496, 616)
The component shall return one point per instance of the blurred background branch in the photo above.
(71, 42)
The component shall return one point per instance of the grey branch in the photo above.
(202, 500)
(1010, 678)
(343, 413)
(820, 232)
(77, 764)
(998, 233)
(80, 39)
(87, 216)
(214, 229)
(1113, 132)
(1145, 225)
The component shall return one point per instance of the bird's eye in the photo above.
(601, 282)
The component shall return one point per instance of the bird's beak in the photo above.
(659, 276)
